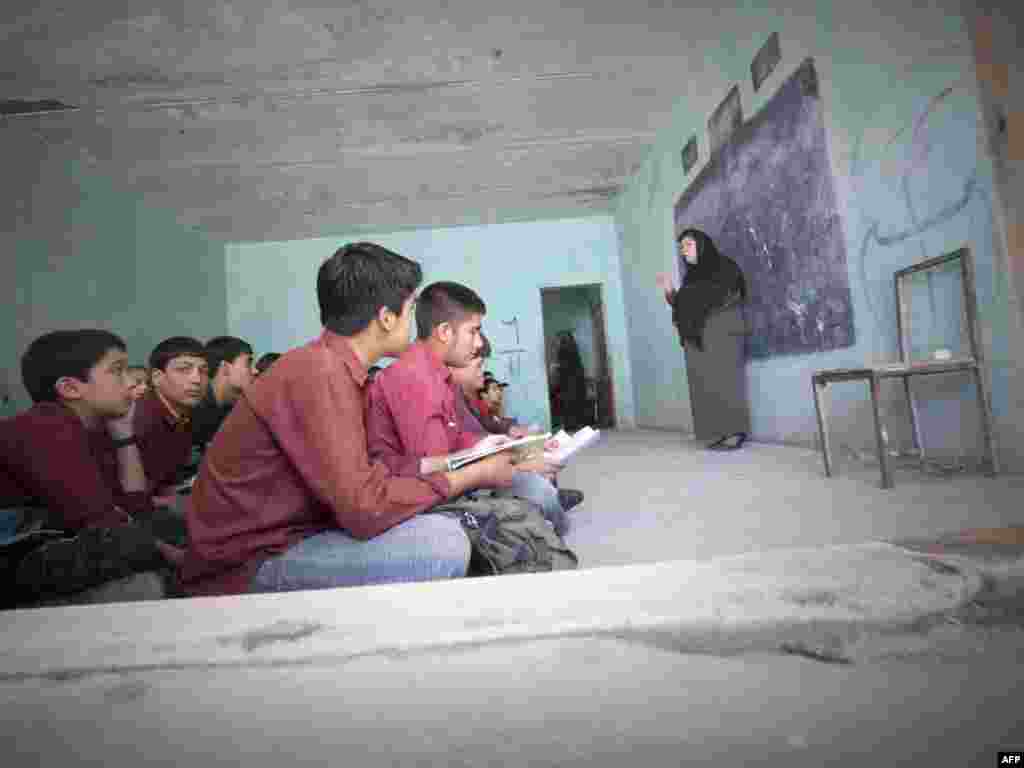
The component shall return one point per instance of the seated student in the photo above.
(527, 485)
(541, 490)
(71, 463)
(485, 399)
(467, 380)
(266, 361)
(287, 497)
(491, 423)
(139, 376)
(163, 418)
(413, 405)
(492, 394)
(230, 367)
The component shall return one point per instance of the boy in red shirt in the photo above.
(287, 497)
(413, 410)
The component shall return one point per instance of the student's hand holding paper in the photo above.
(542, 465)
(495, 471)
(491, 441)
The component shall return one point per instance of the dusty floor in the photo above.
(658, 495)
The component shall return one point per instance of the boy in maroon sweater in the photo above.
(163, 417)
(70, 463)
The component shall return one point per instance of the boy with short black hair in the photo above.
(287, 497)
(411, 407)
(229, 360)
(163, 418)
(70, 463)
(415, 407)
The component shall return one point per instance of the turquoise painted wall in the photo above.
(912, 181)
(272, 299)
(83, 252)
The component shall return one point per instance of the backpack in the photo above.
(508, 535)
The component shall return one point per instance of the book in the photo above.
(525, 448)
(569, 445)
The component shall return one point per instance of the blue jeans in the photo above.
(538, 489)
(423, 548)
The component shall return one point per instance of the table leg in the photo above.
(819, 408)
(883, 448)
(915, 422)
(986, 423)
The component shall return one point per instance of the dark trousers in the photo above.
(47, 565)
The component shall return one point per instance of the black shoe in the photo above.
(569, 498)
(725, 444)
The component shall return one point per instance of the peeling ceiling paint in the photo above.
(275, 119)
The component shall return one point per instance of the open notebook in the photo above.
(569, 445)
(525, 447)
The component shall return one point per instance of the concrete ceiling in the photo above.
(280, 119)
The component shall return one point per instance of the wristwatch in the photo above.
(121, 442)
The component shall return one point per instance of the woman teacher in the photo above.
(707, 313)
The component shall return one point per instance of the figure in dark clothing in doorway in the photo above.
(712, 282)
(570, 388)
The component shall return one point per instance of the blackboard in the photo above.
(767, 199)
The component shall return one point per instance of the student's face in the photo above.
(239, 372)
(470, 377)
(107, 391)
(494, 394)
(465, 341)
(183, 382)
(688, 247)
(400, 335)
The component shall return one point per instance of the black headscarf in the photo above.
(707, 285)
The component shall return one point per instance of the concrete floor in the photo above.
(668, 664)
(658, 495)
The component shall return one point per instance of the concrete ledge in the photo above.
(818, 603)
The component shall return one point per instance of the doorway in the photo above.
(576, 361)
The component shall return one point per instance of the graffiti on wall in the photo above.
(912, 193)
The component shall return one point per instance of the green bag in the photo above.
(508, 535)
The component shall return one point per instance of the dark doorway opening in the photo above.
(578, 367)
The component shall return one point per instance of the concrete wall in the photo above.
(81, 252)
(272, 298)
(996, 30)
(912, 179)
